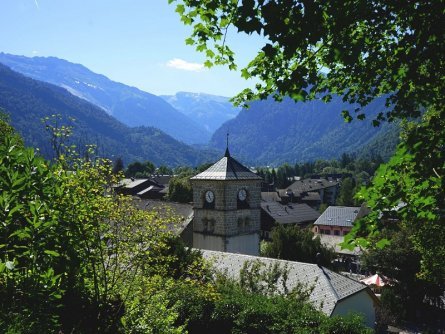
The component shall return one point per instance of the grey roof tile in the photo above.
(270, 196)
(338, 216)
(227, 168)
(309, 185)
(328, 287)
(131, 183)
(290, 213)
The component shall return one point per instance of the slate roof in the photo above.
(291, 213)
(270, 196)
(161, 179)
(131, 183)
(329, 288)
(312, 196)
(307, 196)
(338, 216)
(227, 168)
(308, 185)
(183, 210)
(151, 188)
(166, 209)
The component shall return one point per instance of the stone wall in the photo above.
(226, 193)
(226, 218)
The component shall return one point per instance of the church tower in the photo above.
(227, 208)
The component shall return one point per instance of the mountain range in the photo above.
(271, 133)
(27, 101)
(267, 133)
(127, 104)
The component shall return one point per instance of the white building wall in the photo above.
(244, 244)
(361, 303)
(207, 241)
(248, 244)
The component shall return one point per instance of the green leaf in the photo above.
(245, 73)
(51, 253)
(180, 9)
(346, 116)
(382, 243)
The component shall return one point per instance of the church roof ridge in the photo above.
(227, 168)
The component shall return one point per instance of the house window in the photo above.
(336, 232)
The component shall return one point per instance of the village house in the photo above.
(311, 191)
(292, 214)
(338, 220)
(332, 293)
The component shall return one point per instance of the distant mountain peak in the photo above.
(209, 110)
(130, 105)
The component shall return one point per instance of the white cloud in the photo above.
(34, 52)
(181, 64)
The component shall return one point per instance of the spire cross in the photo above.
(227, 154)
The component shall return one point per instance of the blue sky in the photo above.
(136, 42)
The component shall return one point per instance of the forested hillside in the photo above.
(270, 133)
(27, 101)
(129, 105)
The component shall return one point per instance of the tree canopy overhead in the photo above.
(358, 49)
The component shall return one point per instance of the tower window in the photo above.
(208, 225)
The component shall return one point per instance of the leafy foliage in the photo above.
(70, 251)
(237, 310)
(359, 50)
(346, 193)
(406, 296)
(118, 165)
(140, 169)
(295, 244)
(30, 254)
(409, 188)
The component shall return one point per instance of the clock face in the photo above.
(242, 194)
(210, 197)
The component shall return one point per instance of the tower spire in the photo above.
(227, 154)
